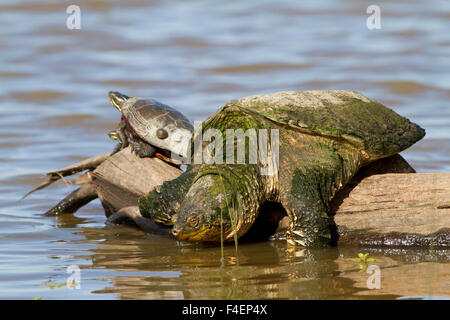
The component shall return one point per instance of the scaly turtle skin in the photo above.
(324, 138)
(162, 203)
(150, 126)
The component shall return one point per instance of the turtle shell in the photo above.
(339, 114)
(158, 124)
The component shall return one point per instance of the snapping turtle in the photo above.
(150, 127)
(324, 137)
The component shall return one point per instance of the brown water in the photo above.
(196, 56)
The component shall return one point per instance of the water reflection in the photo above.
(262, 270)
(158, 268)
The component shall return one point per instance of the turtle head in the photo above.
(207, 212)
(117, 99)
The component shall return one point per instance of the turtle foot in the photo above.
(139, 146)
(143, 150)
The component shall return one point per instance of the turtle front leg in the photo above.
(308, 228)
(309, 222)
(74, 200)
(121, 137)
(142, 148)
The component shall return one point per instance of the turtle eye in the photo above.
(192, 221)
(161, 133)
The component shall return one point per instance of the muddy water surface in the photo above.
(196, 56)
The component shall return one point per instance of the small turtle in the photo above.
(150, 127)
(324, 138)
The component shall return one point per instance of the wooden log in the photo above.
(119, 180)
(124, 177)
(397, 209)
(87, 164)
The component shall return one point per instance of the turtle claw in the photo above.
(299, 239)
(295, 239)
